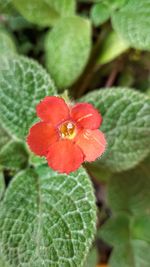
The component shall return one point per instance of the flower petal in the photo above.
(86, 116)
(92, 143)
(64, 156)
(40, 137)
(52, 109)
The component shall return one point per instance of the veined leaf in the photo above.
(64, 7)
(2, 262)
(22, 85)
(4, 137)
(47, 219)
(7, 45)
(134, 254)
(129, 191)
(132, 23)
(126, 124)
(92, 258)
(67, 50)
(116, 230)
(2, 185)
(6, 7)
(131, 245)
(45, 12)
(100, 13)
(36, 160)
(13, 156)
(112, 47)
(115, 4)
(128, 231)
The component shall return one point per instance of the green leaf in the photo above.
(92, 258)
(115, 4)
(6, 7)
(131, 247)
(126, 124)
(148, 92)
(129, 191)
(7, 158)
(128, 231)
(45, 12)
(22, 85)
(47, 219)
(65, 8)
(19, 23)
(2, 262)
(132, 23)
(140, 228)
(4, 137)
(36, 160)
(2, 185)
(134, 254)
(112, 47)
(7, 45)
(116, 230)
(100, 13)
(67, 50)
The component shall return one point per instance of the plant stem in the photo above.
(113, 75)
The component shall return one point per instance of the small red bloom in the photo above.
(67, 135)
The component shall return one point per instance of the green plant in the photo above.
(49, 218)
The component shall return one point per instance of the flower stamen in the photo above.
(67, 130)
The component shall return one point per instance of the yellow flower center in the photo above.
(67, 130)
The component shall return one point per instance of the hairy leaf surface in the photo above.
(47, 219)
(126, 124)
(22, 85)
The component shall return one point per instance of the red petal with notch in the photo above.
(92, 143)
(52, 109)
(86, 116)
(40, 137)
(64, 156)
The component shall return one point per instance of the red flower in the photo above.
(67, 135)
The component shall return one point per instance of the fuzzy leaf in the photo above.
(7, 45)
(92, 258)
(2, 262)
(22, 85)
(116, 230)
(36, 160)
(112, 47)
(100, 13)
(134, 254)
(67, 50)
(47, 219)
(2, 185)
(126, 123)
(132, 23)
(6, 7)
(4, 137)
(128, 231)
(131, 247)
(7, 158)
(45, 12)
(115, 4)
(129, 191)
